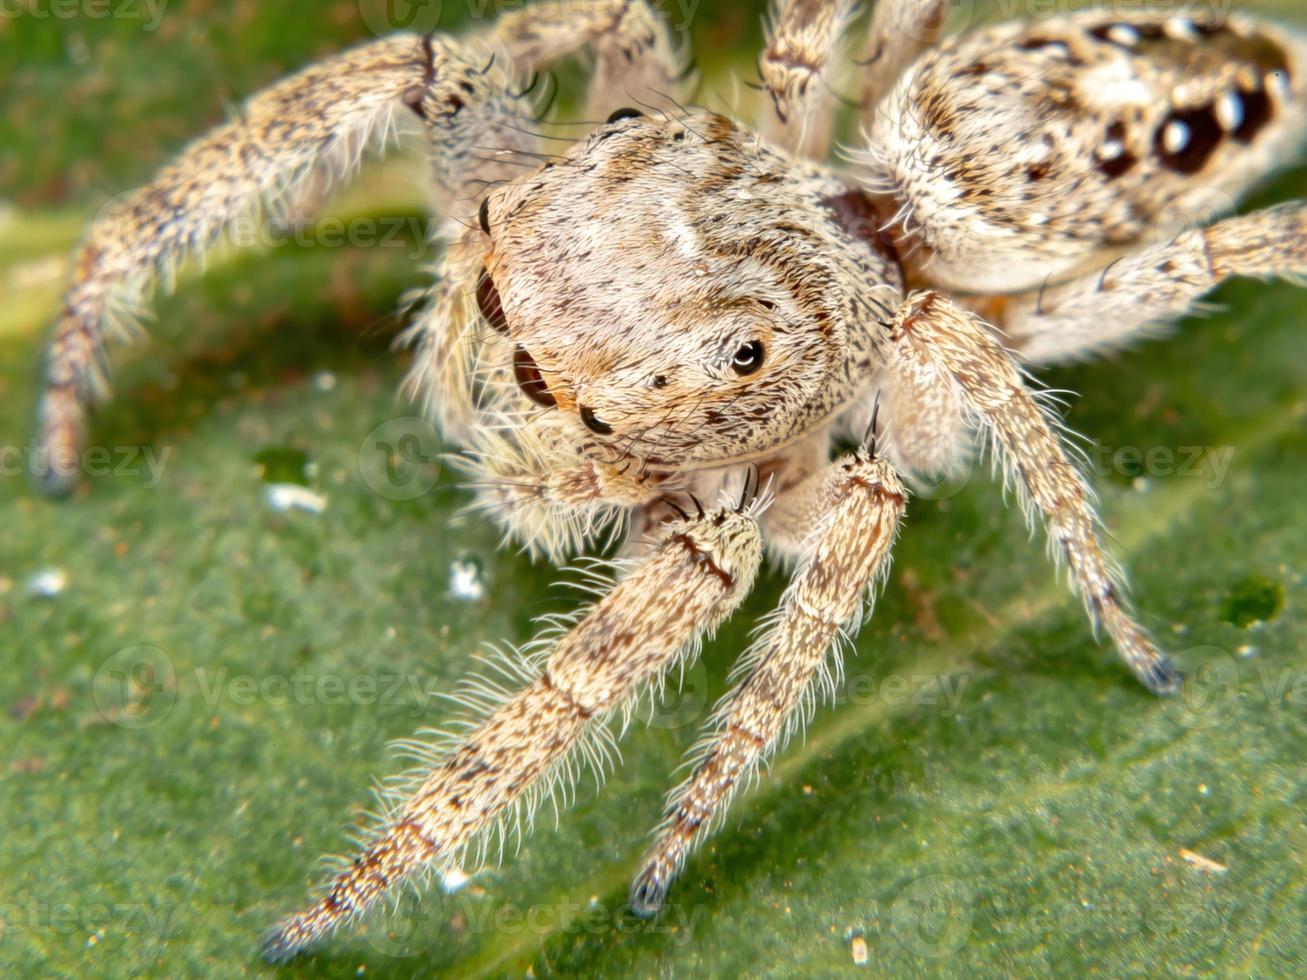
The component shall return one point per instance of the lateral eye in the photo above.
(748, 358)
(530, 380)
(620, 114)
(594, 423)
(489, 304)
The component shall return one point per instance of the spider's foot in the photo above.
(648, 892)
(1161, 676)
(57, 459)
(283, 942)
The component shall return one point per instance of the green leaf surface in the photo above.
(200, 687)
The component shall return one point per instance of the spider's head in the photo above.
(678, 290)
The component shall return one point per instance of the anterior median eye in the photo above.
(748, 358)
(489, 305)
(530, 380)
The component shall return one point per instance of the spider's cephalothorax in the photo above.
(649, 326)
(683, 293)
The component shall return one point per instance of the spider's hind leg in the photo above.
(1110, 309)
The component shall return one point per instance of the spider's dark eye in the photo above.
(621, 114)
(489, 305)
(748, 358)
(660, 381)
(529, 379)
(594, 423)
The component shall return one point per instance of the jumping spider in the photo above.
(675, 306)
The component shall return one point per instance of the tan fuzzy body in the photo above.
(659, 325)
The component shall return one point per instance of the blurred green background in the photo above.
(200, 687)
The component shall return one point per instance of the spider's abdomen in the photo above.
(1023, 152)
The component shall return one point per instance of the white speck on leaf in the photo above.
(453, 879)
(48, 583)
(291, 496)
(1203, 863)
(859, 950)
(465, 581)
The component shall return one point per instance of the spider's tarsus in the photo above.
(61, 428)
(1162, 677)
(278, 948)
(54, 483)
(647, 896)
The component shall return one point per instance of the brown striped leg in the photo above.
(688, 584)
(312, 125)
(859, 505)
(636, 61)
(1114, 307)
(990, 387)
(801, 43)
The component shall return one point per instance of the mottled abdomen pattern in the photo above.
(1025, 152)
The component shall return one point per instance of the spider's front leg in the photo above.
(315, 123)
(952, 346)
(691, 581)
(857, 504)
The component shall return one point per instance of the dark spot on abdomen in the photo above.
(1256, 111)
(1114, 157)
(1202, 135)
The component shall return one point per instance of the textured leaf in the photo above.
(200, 687)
